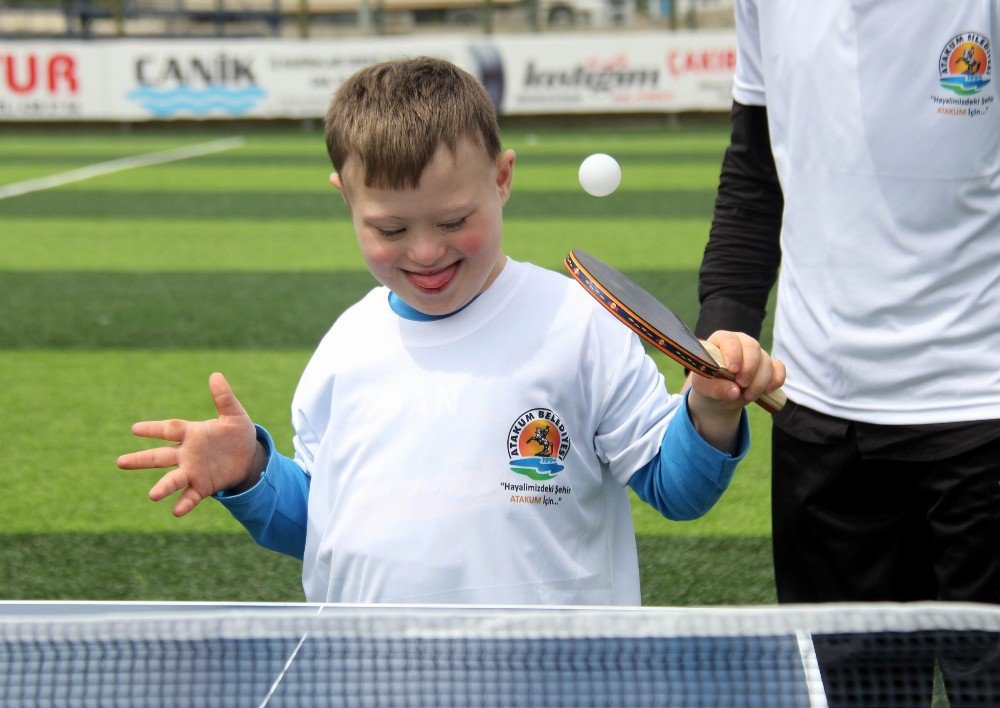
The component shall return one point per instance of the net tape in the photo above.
(138, 621)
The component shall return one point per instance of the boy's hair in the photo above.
(388, 119)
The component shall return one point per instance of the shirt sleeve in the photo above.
(741, 259)
(688, 475)
(748, 80)
(274, 510)
(636, 408)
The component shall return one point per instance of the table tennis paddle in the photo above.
(654, 322)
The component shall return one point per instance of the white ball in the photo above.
(600, 175)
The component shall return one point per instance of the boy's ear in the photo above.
(335, 181)
(505, 174)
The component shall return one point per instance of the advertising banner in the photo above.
(658, 73)
(51, 81)
(131, 80)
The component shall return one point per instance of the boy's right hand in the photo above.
(211, 455)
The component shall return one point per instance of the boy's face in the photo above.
(439, 245)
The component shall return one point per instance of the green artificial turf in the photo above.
(122, 293)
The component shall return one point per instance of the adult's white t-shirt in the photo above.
(885, 129)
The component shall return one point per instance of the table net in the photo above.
(83, 654)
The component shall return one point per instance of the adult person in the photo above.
(867, 135)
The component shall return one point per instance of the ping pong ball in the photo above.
(600, 175)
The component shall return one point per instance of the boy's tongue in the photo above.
(434, 280)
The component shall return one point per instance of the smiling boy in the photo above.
(466, 432)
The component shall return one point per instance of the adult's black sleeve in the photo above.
(741, 259)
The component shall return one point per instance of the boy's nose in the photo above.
(426, 249)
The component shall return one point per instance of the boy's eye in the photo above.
(393, 233)
(454, 225)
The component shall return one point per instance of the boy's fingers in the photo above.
(718, 389)
(763, 376)
(225, 401)
(168, 484)
(149, 459)
(778, 377)
(731, 349)
(187, 501)
(752, 364)
(173, 430)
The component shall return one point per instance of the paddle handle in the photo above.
(772, 402)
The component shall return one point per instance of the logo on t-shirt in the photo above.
(538, 440)
(965, 64)
(964, 69)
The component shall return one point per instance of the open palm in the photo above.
(210, 455)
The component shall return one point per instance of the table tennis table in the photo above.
(219, 654)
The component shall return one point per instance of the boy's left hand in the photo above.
(754, 370)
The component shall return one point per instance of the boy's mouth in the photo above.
(432, 282)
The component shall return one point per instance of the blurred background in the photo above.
(165, 212)
(324, 18)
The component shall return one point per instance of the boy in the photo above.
(465, 433)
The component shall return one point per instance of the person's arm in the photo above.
(274, 509)
(688, 475)
(741, 259)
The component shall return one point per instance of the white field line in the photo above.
(122, 163)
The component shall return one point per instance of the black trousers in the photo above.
(852, 527)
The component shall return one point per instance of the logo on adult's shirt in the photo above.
(964, 69)
(538, 440)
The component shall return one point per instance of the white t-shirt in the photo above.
(886, 135)
(481, 458)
